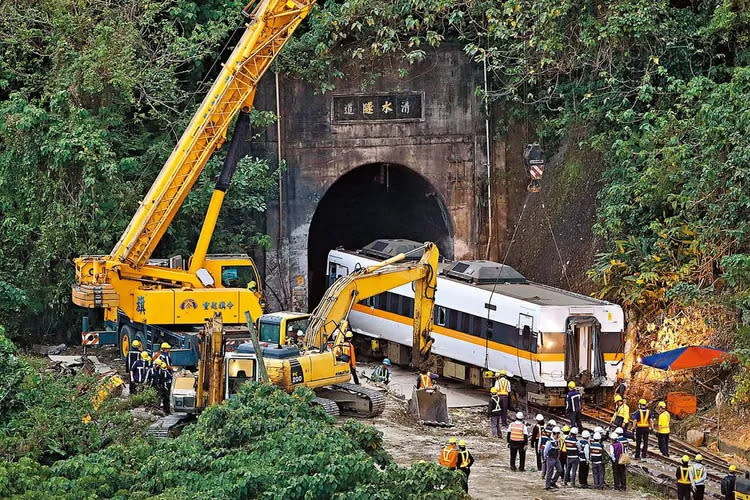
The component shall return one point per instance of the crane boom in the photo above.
(273, 22)
(367, 282)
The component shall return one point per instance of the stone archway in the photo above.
(376, 200)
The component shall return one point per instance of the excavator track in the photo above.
(375, 398)
(169, 426)
(328, 405)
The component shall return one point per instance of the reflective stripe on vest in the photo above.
(643, 416)
(425, 380)
(684, 475)
(570, 445)
(463, 458)
(516, 431)
(596, 450)
(582, 449)
(503, 387)
(663, 423)
(448, 456)
(699, 474)
(496, 400)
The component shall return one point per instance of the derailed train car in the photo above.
(489, 317)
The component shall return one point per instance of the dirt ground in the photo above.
(491, 477)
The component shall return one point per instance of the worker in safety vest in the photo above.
(134, 354)
(552, 456)
(697, 476)
(563, 451)
(426, 379)
(382, 373)
(728, 483)
(683, 479)
(596, 456)
(572, 457)
(573, 405)
(518, 438)
(495, 410)
(449, 454)
(163, 353)
(163, 382)
(621, 416)
(536, 436)
(584, 459)
(642, 420)
(546, 436)
(502, 384)
(140, 373)
(662, 427)
(464, 461)
(345, 352)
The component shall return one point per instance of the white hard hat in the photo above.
(540, 417)
(597, 436)
(613, 435)
(598, 429)
(574, 430)
(552, 423)
(619, 430)
(555, 430)
(585, 434)
(519, 416)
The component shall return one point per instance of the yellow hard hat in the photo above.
(136, 343)
(618, 398)
(497, 374)
(566, 428)
(685, 458)
(732, 468)
(662, 404)
(349, 335)
(503, 372)
(698, 457)
(462, 443)
(642, 402)
(493, 390)
(452, 440)
(571, 384)
(145, 356)
(164, 345)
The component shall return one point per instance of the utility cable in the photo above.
(557, 248)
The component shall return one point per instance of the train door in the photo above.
(582, 352)
(335, 271)
(527, 340)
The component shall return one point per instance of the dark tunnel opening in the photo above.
(370, 202)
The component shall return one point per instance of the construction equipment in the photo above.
(430, 406)
(157, 300)
(533, 160)
(221, 374)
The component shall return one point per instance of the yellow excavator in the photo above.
(167, 300)
(314, 363)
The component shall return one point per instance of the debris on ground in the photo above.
(46, 350)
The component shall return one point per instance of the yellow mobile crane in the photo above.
(165, 301)
(221, 373)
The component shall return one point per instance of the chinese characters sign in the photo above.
(381, 107)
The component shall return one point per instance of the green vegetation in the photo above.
(93, 96)
(263, 444)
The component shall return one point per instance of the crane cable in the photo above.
(554, 240)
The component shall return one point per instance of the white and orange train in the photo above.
(489, 317)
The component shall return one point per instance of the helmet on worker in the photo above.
(598, 429)
(685, 459)
(165, 345)
(519, 416)
(566, 428)
(137, 343)
(571, 385)
(732, 468)
(597, 436)
(619, 430)
(618, 398)
(642, 402)
(574, 430)
(613, 436)
(145, 356)
(387, 362)
(493, 390)
(452, 440)
(462, 444)
(552, 422)
(539, 417)
(502, 373)
(662, 404)
(585, 434)
(699, 457)
(349, 334)
(555, 430)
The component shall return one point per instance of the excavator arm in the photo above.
(331, 313)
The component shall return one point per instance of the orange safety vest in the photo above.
(684, 475)
(503, 387)
(643, 418)
(348, 349)
(448, 456)
(426, 381)
(516, 431)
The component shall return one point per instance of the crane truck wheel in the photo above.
(127, 336)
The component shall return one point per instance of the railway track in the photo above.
(659, 469)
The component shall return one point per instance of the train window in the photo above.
(465, 323)
(489, 328)
(611, 342)
(440, 316)
(452, 322)
(552, 343)
(525, 337)
(391, 302)
(406, 306)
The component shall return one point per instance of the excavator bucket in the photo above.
(430, 406)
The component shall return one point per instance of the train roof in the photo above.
(489, 276)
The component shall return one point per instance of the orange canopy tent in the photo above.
(693, 356)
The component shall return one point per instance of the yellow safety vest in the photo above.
(684, 475)
(503, 387)
(426, 381)
(698, 473)
(516, 431)
(643, 417)
(624, 412)
(663, 423)
(463, 458)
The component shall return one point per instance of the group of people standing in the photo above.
(148, 370)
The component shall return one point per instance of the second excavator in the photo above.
(314, 364)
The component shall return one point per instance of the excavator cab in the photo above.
(282, 327)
